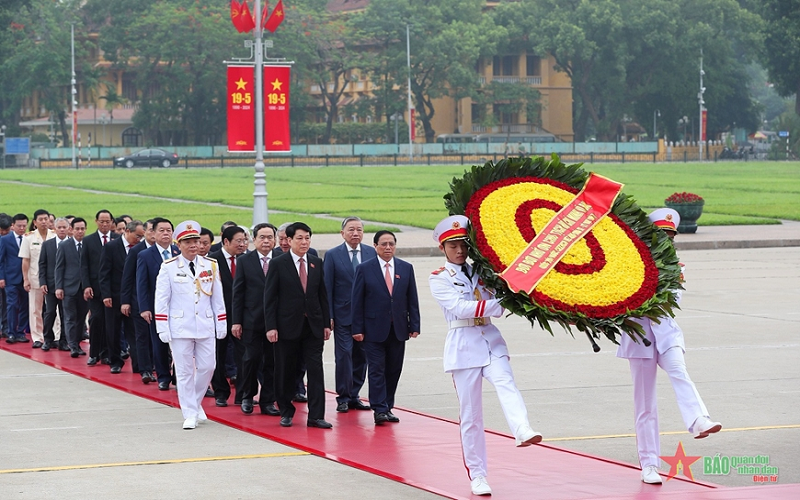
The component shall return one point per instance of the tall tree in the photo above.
(447, 38)
(782, 46)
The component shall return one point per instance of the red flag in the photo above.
(247, 21)
(236, 11)
(276, 18)
(264, 10)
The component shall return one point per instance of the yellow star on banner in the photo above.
(241, 84)
(276, 85)
(278, 13)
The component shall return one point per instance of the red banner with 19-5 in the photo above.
(241, 106)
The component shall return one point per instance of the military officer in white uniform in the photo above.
(190, 314)
(474, 349)
(666, 350)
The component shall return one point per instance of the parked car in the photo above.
(147, 158)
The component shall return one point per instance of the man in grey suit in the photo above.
(47, 282)
(69, 287)
(351, 362)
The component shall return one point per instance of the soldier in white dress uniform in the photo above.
(474, 350)
(190, 315)
(666, 350)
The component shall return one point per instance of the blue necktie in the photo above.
(355, 259)
(165, 253)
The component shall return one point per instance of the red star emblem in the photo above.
(680, 461)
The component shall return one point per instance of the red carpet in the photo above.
(424, 451)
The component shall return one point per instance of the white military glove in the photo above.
(165, 337)
(221, 335)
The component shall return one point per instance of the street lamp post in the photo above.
(3, 136)
(701, 103)
(655, 130)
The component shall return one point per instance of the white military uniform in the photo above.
(30, 249)
(190, 315)
(666, 350)
(472, 351)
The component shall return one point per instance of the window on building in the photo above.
(129, 88)
(132, 137)
(534, 64)
(478, 113)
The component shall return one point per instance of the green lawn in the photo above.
(735, 193)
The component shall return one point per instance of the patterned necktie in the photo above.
(80, 246)
(355, 258)
(191, 267)
(303, 275)
(388, 278)
(105, 239)
(233, 266)
(265, 265)
(165, 253)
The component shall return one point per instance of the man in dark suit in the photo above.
(47, 282)
(69, 288)
(112, 268)
(93, 245)
(234, 243)
(385, 315)
(340, 267)
(247, 317)
(11, 280)
(215, 247)
(148, 263)
(297, 318)
(129, 301)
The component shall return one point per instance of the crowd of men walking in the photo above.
(60, 286)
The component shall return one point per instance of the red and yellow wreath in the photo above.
(623, 267)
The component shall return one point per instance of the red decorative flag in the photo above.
(264, 10)
(276, 18)
(241, 109)
(247, 21)
(236, 11)
(276, 109)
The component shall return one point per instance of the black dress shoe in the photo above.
(116, 369)
(358, 405)
(92, 361)
(209, 393)
(125, 354)
(342, 407)
(37, 345)
(270, 410)
(63, 347)
(163, 386)
(11, 340)
(247, 406)
(300, 398)
(105, 361)
(81, 352)
(74, 353)
(221, 402)
(381, 418)
(23, 340)
(392, 417)
(146, 377)
(47, 346)
(286, 421)
(320, 423)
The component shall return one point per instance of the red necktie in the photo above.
(388, 278)
(233, 266)
(303, 275)
(105, 239)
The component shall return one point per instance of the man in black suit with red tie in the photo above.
(112, 267)
(247, 317)
(234, 243)
(298, 322)
(90, 277)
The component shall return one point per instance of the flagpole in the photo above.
(260, 212)
(410, 104)
(73, 95)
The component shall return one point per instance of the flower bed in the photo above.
(622, 268)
